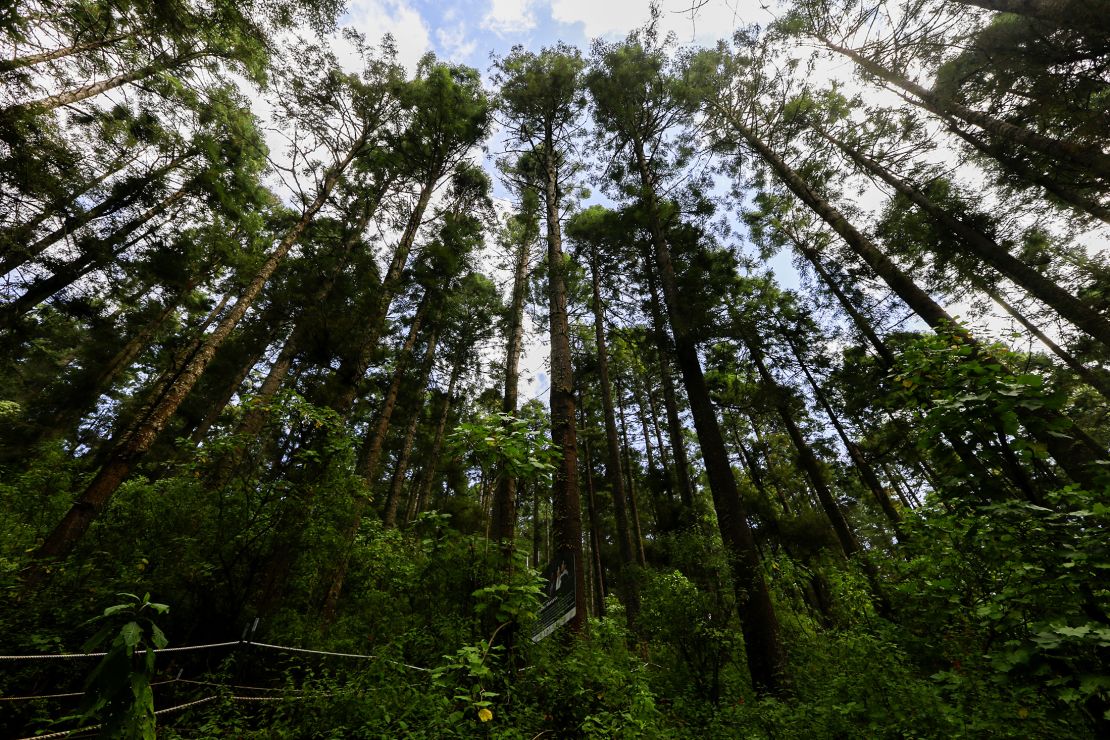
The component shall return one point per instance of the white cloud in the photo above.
(710, 21)
(510, 16)
(454, 42)
(374, 19)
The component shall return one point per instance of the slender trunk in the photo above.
(122, 460)
(348, 379)
(808, 461)
(92, 386)
(231, 387)
(566, 504)
(11, 237)
(1091, 17)
(751, 462)
(255, 417)
(537, 527)
(866, 473)
(766, 657)
(7, 65)
(633, 505)
(369, 459)
(1039, 286)
(1084, 373)
(1086, 158)
(393, 498)
(1017, 167)
(69, 97)
(97, 255)
(854, 314)
(1076, 454)
(595, 530)
(670, 402)
(123, 195)
(425, 489)
(504, 505)
(613, 473)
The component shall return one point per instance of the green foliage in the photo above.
(518, 447)
(118, 696)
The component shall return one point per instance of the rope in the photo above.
(167, 710)
(78, 656)
(312, 652)
(32, 697)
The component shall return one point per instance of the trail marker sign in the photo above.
(559, 597)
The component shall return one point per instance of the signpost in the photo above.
(558, 606)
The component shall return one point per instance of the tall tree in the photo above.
(541, 101)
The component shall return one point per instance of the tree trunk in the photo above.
(13, 236)
(1015, 166)
(595, 531)
(1084, 373)
(1043, 288)
(633, 506)
(1091, 17)
(255, 417)
(131, 449)
(393, 498)
(369, 459)
(96, 256)
(808, 461)
(425, 489)
(348, 379)
(69, 97)
(670, 401)
(123, 195)
(566, 504)
(866, 473)
(7, 65)
(766, 658)
(1076, 455)
(854, 314)
(1083, 157)
(504, 505)
(614, 476)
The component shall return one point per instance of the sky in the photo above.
(473, 32)
(469, 32)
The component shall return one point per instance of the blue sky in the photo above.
(468, 32)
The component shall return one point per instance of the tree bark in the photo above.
(1013, 165)
(595, 530)
(808, 461)
(96, 256)
(123, 195)
(504, 504)
(1039, 286)
(1084, 157)
(369, 459)
(1076, 455)
(428, 480)
(1084, 373)
(566, 503)
(866, 473)
(69, 97)
(670, 401)
(766, 657)
(633, 506)
(7, 65)
(614, 475)
(1088, 16)
(393, 498)
(134, 446)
